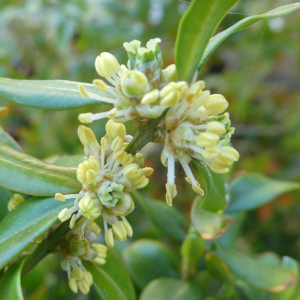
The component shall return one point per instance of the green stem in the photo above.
(144, 135)
(44, 248)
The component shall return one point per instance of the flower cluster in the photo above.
(137, 91)
(107, 177)
(198, 128)
(74, 250)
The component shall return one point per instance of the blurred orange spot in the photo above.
(3, 111)
(265, 212)
(285, 200)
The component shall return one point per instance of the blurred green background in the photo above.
(257, 70)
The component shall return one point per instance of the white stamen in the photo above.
(99, 98)
(105, 225)
(203, 126)
(102, 158)
(69, 270)
(109, 79)
(193, 147)
(187, 170)
(171, 169)
(71, 196)
(84, 223)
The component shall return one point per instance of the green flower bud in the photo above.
(90, 207)
(134, 83)
(125, 205)
(78, 247)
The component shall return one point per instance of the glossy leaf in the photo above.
(10, 283)
(215, 194)
(70, 161)
(220, 37)
(48, 94)
(6, 138)
(261, 275)
(196, 27)
(23, 173)
(25, 223)
(249, 191)
(290, 264)
(209, 225)
(167, 219)
(112, 280)
(170, 288)
(147, 260)
(5, 196)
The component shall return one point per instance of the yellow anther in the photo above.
(86, 136)
(106, 65)
(207, 139)
(94, 163)
(60, 197)
(64, 215)
(73, 221)
(73, 285)
(117, 144)
(171, 99)
(150, 97)
(114, 129)
(15, 201)
(128, 228)
(216, 127)
(139, 159)
(171, 193)
(119, 232)
(109, 238)
(87, 277)
(85, 118)
(90, 176)
(218, 169)
(210, 152)
(168, 74)
(99, 261)
(77, 273)
(101, 85)
(197, 88)
(104, 144)
(216, 104)
(90, 207)
(83, 286)
(229, 153)
(83, 92)
(195, 186)
(147, 171)
(125, 205)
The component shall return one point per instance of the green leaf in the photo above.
(209, 225)
(290, 264)
(220, 37)
(48, 94)
(169, 288)
(168, 219)
(5, 196)
(249, 191)
(6, 138)
(10, 283)
(260, 274)
(147, 260)
(112, 280)
(25, 223)
(215, 195)
(70, 161)
(217, 268)
(23, 173)
(196, 27)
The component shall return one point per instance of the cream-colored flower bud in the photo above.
(207, 139)
(134, 83)
(168, 74)
(106, 65)
(229, 153)
(216, 127)
(115, 129)
(128, 228)
(90, 207)
(83, 287)
(139, 159)
(60, 197)
(86, 136)
(125, 205)
(94, 163)
(210, 152)
(64, 215)
(171, 99)
(85, 118)
(216, 104)
(119, 232)
(90, 176)
(109, 238)
(77, 273)
(132, 171)
(101, 85)
(87, 277)
(78, 247)
(84, 166)
(83, 92)
(15, 201)
(73, 285)
(117, 144)
(150, 97)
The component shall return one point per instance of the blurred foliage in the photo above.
(256, 69)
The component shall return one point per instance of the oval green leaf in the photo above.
(209, 225)
(258, 273)
(249, 191)
(25, 223)
(170, 288)
(9, 140)
(112, 280)
(5, 196)
(220, 37)
(23, 173)
(147, 260)
(10, 283)
(215, 194)
(70, 161)
(49, 94)
(165, 218)
(196, 27)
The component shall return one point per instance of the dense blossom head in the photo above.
(108, 176)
